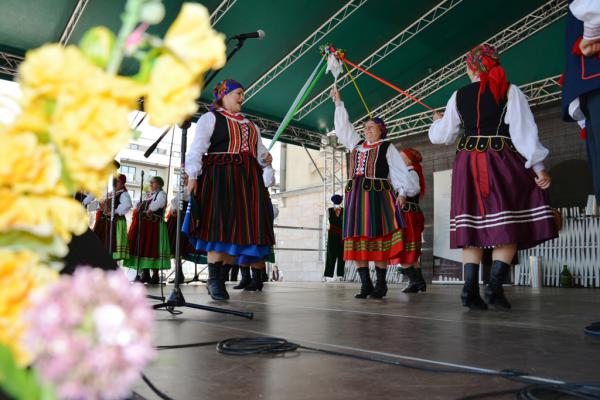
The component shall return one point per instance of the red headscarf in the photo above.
(122, 178)
(485, 61)
(415, 158)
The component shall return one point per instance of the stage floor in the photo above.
(542, 335)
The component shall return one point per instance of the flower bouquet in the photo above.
(80, 337)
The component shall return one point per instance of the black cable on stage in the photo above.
(186, 346)
(155, 389)
(255, 345)
(273, 345)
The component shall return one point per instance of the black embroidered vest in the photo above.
(479, 113)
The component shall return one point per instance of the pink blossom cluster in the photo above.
(91, 334)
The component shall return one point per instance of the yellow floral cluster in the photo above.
(192, 48)
(78, 108)
(73, 121)
(20, 274)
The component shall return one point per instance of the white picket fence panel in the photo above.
(577, 247)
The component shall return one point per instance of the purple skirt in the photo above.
(495, 201)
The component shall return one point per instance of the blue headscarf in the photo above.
(224, 87)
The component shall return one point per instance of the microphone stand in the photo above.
(238, 46)
(176, 298)
(139, 226)
(112, 220)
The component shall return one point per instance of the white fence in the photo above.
(577, 247)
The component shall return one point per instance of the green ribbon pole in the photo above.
(302, 95)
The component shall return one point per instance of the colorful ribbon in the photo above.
(358, 90)
(306, 88)
(396, 88)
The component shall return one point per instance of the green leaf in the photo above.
(20, 383)
(146, 66)
(97, 45)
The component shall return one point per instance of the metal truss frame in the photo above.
(221, 10)
(334, 161)
(77, 12)
(532, 23)
(539, 92)
(9, 63)
(314, 38)
(382, 52)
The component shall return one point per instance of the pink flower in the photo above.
(91, 334)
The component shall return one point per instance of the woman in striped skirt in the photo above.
(229, 215)
(498, 178)
(373, 225)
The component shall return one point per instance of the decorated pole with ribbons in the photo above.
(332, 60)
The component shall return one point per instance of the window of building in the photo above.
(129, 172)
(161, 151)
(176, 154)
(132, 194)
(153, 172)
(134, 146)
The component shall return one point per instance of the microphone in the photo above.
(259, 34)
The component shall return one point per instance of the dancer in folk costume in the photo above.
(230, 214)
(498, 178)
(187, 251)
(148, 237)
(102, 227)
(581, 89)
(335, 241)
(380, 183)
(415, 223)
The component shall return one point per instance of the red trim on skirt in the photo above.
(381, 248)
(415, 223)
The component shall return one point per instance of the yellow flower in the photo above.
(89, 132)
(193, 48)
(80, 108)
(172, 92)
(21, 273)
(45, 216)
(193, 41)
(52, 71)
(28, 166)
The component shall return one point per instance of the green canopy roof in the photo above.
(428, 36)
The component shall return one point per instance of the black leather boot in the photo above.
(366, 287)
(470, 293)
(224, 277)
(380, 286)
(416, 282)
(145, 276)
(257, 281)
(234, 272)
(494, 294)
(213, 284)
(155, 280)
(246, 279)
